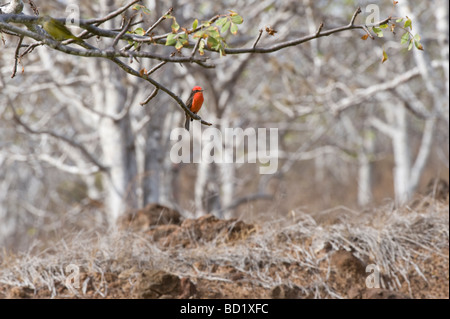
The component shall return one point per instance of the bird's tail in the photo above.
(186, 124)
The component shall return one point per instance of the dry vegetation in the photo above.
(154, 255)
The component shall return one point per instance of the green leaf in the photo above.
(385, 57)
(408, 23)
(139, 31)
(417, 42)
(201, 47)
(200, 34)
(175, 26)
(183, 37)
(225, 27)
(237, 19)
(221, 21)
(378, 31)
(195, 24)
(399, 20)
(234, 28)
(410, 46)
(418, 45)
(179, 45)
(213, 32)
(405, 38)
(144, 9)
(212, 42)
(171, 40)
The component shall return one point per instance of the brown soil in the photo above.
(159, 255)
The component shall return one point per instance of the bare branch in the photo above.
(151, 96)
(368, 32)
(369, 92)
(16, 56)
(149, 30)
(162, 18)
(358, 11)
(319, 29)
(258, 38)
(122, 32)
(197, 44)
(382, 127)
(156, 67)
(67, 140)
(59, 164)
(112, 14)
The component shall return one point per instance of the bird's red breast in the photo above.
(197, 99)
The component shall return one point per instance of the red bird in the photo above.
(194, 103)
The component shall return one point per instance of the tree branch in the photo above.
(318, 34)
(258, 38)
(59, 164)
(112, 15)
(17, 56)
(158, 85)
(67, 140)
(363, 94)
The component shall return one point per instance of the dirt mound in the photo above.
(150, 215)
(208, 228)
(404, 253)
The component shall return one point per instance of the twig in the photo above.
(319, 29)
(112, 14)
(195, 47)
(33, 7)
(156, 67)
(257, 39)
(151, 96)
(358, 11)
(368, 32)
(30, 48)
(121, 33)
(162, 18)
(17, 56)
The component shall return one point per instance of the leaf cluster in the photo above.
(208, 33)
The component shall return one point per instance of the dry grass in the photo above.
(402, 242)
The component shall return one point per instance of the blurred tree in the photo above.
(77, 110)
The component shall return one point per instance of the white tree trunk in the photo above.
(365, 168)
(117, 144)
(402, 156)
(153, 162)
(442, 26)
(116, 137)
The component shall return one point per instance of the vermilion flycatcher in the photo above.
(194, 103)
